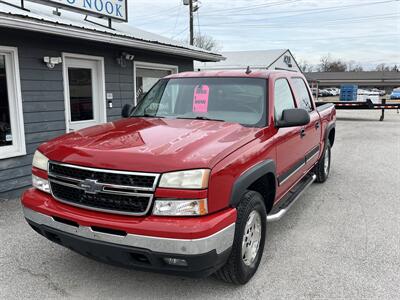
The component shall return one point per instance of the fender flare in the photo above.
(248, 177)
(328, 130)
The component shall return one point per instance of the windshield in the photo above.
(239, 100)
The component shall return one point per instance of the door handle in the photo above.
(302, 132)
(316, 125)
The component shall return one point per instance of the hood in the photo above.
(150, 144)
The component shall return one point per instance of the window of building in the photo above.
(283, 97)
(12, 138)
(147, 74)
(301, 90)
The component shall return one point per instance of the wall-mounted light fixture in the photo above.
(121, 60)
(51, 62)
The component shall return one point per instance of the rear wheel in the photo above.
(248, 244)
(323, 166)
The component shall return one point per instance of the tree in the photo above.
(357, 68)
(352, 66)
(305, 66)
(382, 67)
(327, 64)
(206, 42)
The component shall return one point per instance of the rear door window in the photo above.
(283, 98)
(301, 91)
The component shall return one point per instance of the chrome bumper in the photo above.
(219, 241)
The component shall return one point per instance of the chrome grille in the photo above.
(120, 192)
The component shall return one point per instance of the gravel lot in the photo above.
(340, 240)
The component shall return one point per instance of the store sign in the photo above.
(115, 9)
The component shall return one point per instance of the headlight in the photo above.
(40, 161)
(40, 184)
(174, 207)
(190, 179)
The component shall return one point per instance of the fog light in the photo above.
(175, 261)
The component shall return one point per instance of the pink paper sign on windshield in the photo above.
(200, 99)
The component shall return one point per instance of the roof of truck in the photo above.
(233, 73)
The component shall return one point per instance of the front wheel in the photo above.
(323, 166)
(248, 244)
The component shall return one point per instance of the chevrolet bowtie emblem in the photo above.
(91, 186)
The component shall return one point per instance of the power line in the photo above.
(158, 14)
(177, 17)
(180, 32)
(336, 38)
(308, 11)
(198, 23)
(282, 25)
(250, 7)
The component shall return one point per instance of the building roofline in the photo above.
(28, 23)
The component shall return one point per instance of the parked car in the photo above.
(364, 95)
(314, 91)
(395, 94)
(187, 180)
(324, 93)
(381, 92)
(333, 91)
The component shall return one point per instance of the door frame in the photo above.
(101, 85)
(141, 64)
(18, 148)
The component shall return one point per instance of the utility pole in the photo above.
(193, 7)
(191, 38)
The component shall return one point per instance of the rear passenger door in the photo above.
(312, 131)
(289, 142)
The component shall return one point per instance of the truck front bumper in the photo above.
(184, 256)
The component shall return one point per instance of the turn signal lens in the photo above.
(41, 184)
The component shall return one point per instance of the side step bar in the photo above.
(287, 202)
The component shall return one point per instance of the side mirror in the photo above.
(293, 117)
(127, 110)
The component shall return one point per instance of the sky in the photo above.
(362, 31)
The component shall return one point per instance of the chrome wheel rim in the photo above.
(326, 161)
(251, 238)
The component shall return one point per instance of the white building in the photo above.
(279, 59)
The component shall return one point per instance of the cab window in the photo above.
(283, 97)
(301, 90)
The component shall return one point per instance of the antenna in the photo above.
(248, 70)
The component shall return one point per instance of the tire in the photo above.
(323, 166)
(241, 267)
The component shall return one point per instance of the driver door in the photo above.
(289, 141)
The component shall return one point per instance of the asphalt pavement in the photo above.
(341, 239)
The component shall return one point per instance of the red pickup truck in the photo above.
(186, 182)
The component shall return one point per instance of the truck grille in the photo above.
(102, 176)
(112, 191)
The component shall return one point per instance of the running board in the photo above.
(286, 203)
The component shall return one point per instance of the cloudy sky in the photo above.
(365, 31)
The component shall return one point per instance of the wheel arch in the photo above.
(330, 133)
(260, 178)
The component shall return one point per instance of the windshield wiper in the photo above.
(201, 118)
(147, 116)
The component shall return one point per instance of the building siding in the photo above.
(43, 91)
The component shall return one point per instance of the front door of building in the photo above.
(84, 92)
